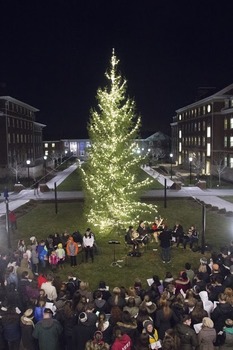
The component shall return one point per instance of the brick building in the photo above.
(203, 133)
(20, 135)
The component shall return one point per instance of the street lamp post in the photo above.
(171, 156)
(28, 165)
(45, 159)
(190, 169)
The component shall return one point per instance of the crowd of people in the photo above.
(193, 310)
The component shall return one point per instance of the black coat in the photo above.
(82, 332)
(221, 313)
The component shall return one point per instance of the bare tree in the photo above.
(219, 167)
(17, 169)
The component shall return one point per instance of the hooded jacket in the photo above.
(122, 343)
(187, 336)
(47, 331)
(71, 247)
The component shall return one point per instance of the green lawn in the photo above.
(40, 220)
(73, 182)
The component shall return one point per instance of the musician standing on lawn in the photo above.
(165, 238)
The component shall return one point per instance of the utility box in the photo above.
(201, 184)
(44, 188)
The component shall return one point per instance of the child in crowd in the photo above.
(60, 252)
(53, 260)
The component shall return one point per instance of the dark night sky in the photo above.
(54, 55)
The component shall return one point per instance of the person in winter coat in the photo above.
(122, 341)
(103, 325)
(27, 327)
(11, 328)
(188, 337)
(228, 336)
(207, 335)
(171, 341)
(165, 317)
(149, 329)
(61, 255)
(221, 313)
(128, 326)
(72, 251)
(82, 332)
(97, 343)
(48, 331)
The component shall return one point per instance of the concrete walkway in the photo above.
(208, 196)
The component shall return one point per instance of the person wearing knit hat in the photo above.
(207, 335)
(97, 343)
(61, 255)
(149, 329)
(83, 331)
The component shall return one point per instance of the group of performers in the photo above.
(145, 233)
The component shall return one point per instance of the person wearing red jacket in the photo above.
(72, 251)
(122, 341)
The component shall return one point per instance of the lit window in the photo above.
(208, 150)
(180, 134)
(232, 102)
(180, 117)
(46, 153)
(231, 123)
(180, 146)
(209, 108)
(203, 141)
(203, 109)
(231, 162)
(199, 126)
(208, 131)
(225, 161)
(53, 145)
(231, 141)
(46, 145)
(225, 141)
(225, 123)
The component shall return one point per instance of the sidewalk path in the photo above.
(208, 196)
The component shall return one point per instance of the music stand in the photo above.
(115, 262)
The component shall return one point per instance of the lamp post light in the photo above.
(45, 158)
(28, 165)
(190, 169)
(171, 156)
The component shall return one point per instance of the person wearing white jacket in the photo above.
(88, 243)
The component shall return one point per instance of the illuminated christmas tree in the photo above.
(112, 190)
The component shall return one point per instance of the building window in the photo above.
(225, 141)
(180, 117)
(208, 150)
(209, 108)
(180, 146)
(231, 123)
(203, 109)
(53, 145)
(46, 145)
(208, 131)
(180, 134)
(225, 123)
(203, 125)
(203, 141)
(231, 161)
(231, 141)
(225, 161)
